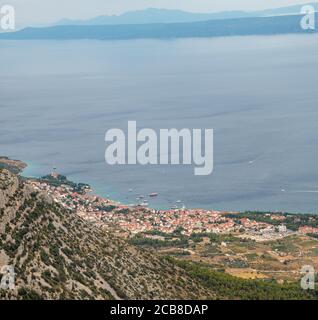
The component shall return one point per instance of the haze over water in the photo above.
(259, 94)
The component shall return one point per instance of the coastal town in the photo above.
(246, 245)
(131, 220)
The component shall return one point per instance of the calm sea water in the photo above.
(260, 94)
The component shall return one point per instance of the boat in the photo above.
(153, 195)
(144, 204)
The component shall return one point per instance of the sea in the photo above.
(258, 93)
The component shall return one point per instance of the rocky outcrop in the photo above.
(15, 166)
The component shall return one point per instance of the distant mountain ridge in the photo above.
(285, 24)
(295, 9)
(154, 15)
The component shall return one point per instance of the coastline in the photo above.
(27, 173)
(181, 230)
(25, 170)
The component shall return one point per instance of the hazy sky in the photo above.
(46, 11)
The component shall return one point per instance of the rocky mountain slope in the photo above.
(56, 255)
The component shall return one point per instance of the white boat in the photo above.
(144, 204)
